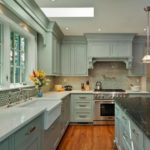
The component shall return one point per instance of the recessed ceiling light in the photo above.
(69, 12)
(66, 28)
(145, 29)
(53, 0)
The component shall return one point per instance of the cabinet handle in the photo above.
(82, 116)
(82, 105)
(31, 130)
(82, 97)
(134, 132)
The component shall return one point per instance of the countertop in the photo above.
(138, 109)
(15, 117)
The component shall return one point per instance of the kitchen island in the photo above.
(132, 123)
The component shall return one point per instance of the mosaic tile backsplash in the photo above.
(24, 93)
(111, 74)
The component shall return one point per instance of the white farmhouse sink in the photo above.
(52, 109)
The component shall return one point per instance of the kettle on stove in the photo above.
(98, 86)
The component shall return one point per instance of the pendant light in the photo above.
(146, 58)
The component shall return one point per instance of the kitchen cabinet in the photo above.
(29, 137)
(81, 108)
(49, 50)
(146, 143)
(4, 145)
(54, 133)
(116, 49)
(138, 50)
(127, 135)
(137, 137)
(73, 59)
(49, 55)
(65, 114)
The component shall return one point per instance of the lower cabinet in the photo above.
(127, 135)
(4, 145)
(30, 137)
(81, 108)
(53, 135)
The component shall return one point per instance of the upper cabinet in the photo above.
(49, 53)
(74, 57)
(138, 68)
(109, 47)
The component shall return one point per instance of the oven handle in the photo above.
(104, 101)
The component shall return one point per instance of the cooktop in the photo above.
(110, 90)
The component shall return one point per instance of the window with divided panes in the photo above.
(17, 58)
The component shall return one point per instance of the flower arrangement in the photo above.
(39, 78)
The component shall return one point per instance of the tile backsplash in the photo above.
(111, 74)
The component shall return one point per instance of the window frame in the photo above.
(31, 54)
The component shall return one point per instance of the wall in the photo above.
(111, 74)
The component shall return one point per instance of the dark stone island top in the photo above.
(138, 110)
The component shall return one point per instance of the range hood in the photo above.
(92, 61)
(103, 47)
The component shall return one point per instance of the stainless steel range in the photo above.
(104, 105)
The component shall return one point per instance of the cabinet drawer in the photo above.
(82, 97)
(29, 132)
(82, 105)
(83, 116)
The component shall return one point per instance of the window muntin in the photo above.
(17, 58)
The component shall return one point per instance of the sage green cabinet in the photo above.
(81, 108)
(54, 133)
(146, 143)
(73, 59)
(49, 54)
(138, 50)
(65, 114)
(30, 137)
(4, 145)
(127, 135)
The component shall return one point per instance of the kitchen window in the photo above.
(17, 58)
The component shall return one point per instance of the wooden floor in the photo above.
(88, 137)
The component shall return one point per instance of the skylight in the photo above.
(69, 12)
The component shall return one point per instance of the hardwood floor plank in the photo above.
(88, 137)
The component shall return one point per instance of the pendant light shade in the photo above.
(146, 58)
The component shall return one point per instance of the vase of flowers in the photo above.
(39, 79)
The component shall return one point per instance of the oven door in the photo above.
(104, 110)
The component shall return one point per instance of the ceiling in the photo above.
(112, 16)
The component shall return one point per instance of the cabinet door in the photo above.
(80, 60)
(137, 65)
(52, 135)
(30, 136)
(66, 59)
(101, 49)
(121, 49)
(65, 114)
(146, 143)
(4, 145)
(56, 56)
